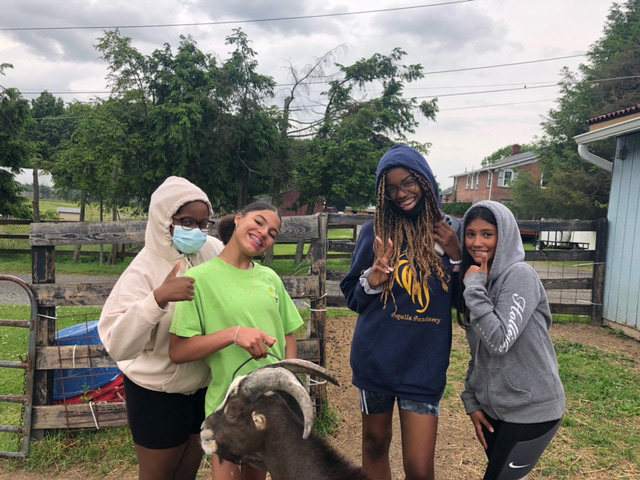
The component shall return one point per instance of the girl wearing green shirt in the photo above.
(239, 308)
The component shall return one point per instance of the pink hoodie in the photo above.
(133, 328)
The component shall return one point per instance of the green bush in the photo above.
(456, 208)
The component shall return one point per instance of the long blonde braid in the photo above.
(417, 237)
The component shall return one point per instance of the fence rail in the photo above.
(45, 237)
(318, 287)
(594, 283)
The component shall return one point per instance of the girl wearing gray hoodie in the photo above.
(513, 393)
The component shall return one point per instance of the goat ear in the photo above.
(259, 420)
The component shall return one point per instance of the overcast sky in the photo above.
(445, 37)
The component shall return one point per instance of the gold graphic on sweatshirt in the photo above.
(418, 292)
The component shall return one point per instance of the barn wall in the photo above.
(622, 285)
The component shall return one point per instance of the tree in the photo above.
(191, 117)
(252, 137)
(606, 83)
(15, 149)
(301, 78)
(339, 163)
(502, 153)
(50, 127)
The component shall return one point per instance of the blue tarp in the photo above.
(68, 383)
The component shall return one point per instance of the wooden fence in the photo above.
(314, 229)
(594, 283)
(124, 250)
(44, 238)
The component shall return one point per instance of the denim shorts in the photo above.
(373, 403)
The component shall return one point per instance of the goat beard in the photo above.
(253, 460)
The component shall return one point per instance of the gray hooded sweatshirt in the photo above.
(513, 372)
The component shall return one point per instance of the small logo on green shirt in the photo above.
(274, 294)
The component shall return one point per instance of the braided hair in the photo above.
(417, 236)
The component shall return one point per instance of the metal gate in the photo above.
(24, 429)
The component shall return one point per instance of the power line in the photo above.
(324, 82)
(523, 87)
(496, 105)
(228, 22)
(505, 64)
(472, 107)
(300, 107)
(488, 91)
(34, 91)
(522, 84)
(465, 69)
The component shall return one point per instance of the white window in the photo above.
(489, 179)
(466, 187)
(505, 177)
(477, 184)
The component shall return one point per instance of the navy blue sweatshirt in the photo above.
(403, 349)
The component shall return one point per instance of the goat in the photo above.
(256, 425)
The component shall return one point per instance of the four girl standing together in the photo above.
(408, 270)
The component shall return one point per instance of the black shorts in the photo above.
(160, 420)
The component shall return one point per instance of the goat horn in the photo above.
(296, 365)
(266, 380)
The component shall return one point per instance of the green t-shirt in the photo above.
(225, 297)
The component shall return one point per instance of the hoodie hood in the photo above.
(165, 202)
(410, 158)
(509, 249)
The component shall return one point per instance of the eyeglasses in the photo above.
(189, 223)
(408, 186)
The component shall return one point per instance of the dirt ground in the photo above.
(458, 453)
(457, 450)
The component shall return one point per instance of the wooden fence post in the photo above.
(43, 271)
(318, 316)
(597, 292)
(268, 257)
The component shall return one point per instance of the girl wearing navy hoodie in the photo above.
(513, 393)
(400, 284)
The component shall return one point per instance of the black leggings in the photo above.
(515, 448)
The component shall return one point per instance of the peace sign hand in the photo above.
(381, 270)
(479, 269)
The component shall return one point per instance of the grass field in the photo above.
(92, 445)
(601, 424)
(601, 427)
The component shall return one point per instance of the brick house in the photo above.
(493, 182)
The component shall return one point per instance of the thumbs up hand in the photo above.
(174, 288)
(483, 268)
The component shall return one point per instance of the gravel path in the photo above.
(12, 293)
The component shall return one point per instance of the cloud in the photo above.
(77, 45)
(445, 29)
(259, 9)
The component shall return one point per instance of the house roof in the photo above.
(624, 128)
(510, 161)
(446, 191)
(617, 114)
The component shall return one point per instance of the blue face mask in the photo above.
(188, 241)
